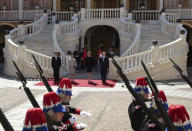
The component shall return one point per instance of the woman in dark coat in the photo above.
(89, 65)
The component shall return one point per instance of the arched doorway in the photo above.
(104, 37)
(3, 28)
(189, 54)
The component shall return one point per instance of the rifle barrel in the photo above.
(4, 122)
(185, 78)
(135, 95)
(150, 78)
(164, 115)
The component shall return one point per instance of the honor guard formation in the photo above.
(148, 111)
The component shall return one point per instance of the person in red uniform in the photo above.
(35, 120)
(180, 118)
(65, 92)
(135, 111)
(54, 112)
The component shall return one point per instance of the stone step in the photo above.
(150, 32)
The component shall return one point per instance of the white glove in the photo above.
(72, 119)
(81, 126)
(83, 113)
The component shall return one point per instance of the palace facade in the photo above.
(76, 5)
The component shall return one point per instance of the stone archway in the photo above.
(103, 37)
(3, 28)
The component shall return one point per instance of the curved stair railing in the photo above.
(19, 53)
(60, 30)
(170, 27)
(131, 65)
(29, 29)
(182, 13)
(134, 30)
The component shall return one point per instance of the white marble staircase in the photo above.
(150, 32)
(42, 42)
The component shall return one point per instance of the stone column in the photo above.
(11, 3)
(54, 5)
(160, 5)
(88, 4)
(125, 3)
(155, 55)
(20, 9)
(82, 41)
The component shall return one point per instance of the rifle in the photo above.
(136, 96)
(163, 112)
(150, 78)
(181, 73)
(39, 69)
(4, 122)
(26, 89)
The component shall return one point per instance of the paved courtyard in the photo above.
(107, 105)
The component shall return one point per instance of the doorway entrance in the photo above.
(102, 37)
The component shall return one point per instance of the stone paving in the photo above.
(108, 105)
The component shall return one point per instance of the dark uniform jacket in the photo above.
(104, 65)
(148, 125)
(66, 127)
(56, 63)
(136, 115)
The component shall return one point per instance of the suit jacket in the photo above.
(104, 65)
(56, 63)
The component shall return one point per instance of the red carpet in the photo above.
(84, 83)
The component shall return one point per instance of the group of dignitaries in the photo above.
(141, 122)
(56, 114)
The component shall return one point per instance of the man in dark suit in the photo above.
(104, 66)
(56, 64)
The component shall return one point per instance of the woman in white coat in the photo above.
(72, 66)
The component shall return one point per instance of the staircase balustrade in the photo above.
(15, 51)
(169, 28)
(9, 15)
(146, 15)
(30, 29)
(64, 16)
(135, 30)
(31, 14)
(152, 57)
(182, 13)
(173, 49)
(14, 15)
(115, 13)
